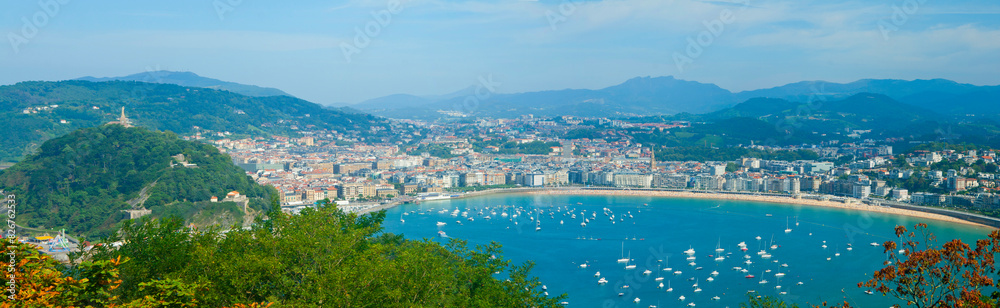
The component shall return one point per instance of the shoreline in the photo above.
(713, 195)
(763, 198)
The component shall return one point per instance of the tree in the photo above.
(766, 301)
(732, 167)
(953, 275)
(322, 257)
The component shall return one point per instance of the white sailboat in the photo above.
(787, 229)
(669, 288)
(623, 259)
(538, 222)
(627, 265)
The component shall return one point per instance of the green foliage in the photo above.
(843, 160)
(731, 167)
(162, 107)
(168, 293)
(581, 133)
(82, 181)
(766, 301)
(697, 153)
(322, 257)
(941, 146)
(40, 281)
(534, 147)
(434, 149)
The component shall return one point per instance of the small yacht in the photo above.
(623, 259)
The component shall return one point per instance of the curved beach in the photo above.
(757, 198)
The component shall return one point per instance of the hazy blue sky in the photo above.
(439, 46)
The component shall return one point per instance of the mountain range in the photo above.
(635, 97)
(189, 79)
(668, 95)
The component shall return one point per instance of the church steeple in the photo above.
(652, 159)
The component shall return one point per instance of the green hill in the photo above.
(33, 112)
(82, 181)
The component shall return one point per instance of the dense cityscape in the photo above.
(324, 165)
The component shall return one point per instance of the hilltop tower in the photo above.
(122, 120)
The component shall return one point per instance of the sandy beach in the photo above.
(759, 198)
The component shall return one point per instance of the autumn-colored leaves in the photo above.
(953, 275)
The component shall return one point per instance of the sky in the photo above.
(347, 51)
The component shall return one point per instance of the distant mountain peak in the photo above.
(190, 79)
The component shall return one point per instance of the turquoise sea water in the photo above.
(656, 235)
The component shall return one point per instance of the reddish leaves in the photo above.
(926, 276)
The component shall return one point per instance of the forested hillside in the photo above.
(81, 181)
(33, 112)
